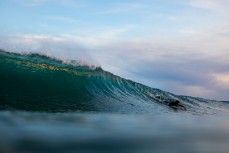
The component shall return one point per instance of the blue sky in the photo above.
(181, 46)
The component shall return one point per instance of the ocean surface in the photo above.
(50, 105)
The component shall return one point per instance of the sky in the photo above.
(180, 46)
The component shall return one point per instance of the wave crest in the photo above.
(36, 82)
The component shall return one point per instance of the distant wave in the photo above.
(35, 82)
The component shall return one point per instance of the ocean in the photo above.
(50, 105)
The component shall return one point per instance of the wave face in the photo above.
(36, 82)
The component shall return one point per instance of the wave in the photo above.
(35, 82)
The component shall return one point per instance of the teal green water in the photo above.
(36, 82)
(39, 83)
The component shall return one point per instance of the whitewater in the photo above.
(48, 105)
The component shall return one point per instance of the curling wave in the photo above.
(35, 82)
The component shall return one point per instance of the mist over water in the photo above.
(50, 105)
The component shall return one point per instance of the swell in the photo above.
(36, 82)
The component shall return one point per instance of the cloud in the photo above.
(222, 79)
(206, 4)
(214, 5)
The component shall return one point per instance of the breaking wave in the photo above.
(35, 82)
